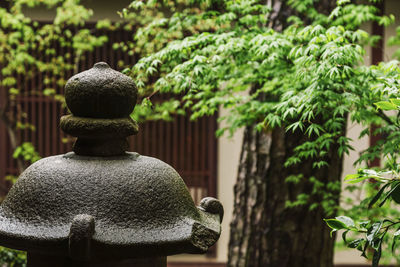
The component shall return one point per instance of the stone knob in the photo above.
(101, 92)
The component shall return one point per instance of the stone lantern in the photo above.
(100, 205)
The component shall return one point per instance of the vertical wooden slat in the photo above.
(20, 133)
(55, 137)
(47, 129)
(168, 142)
(175, 145)
(181, 146)
(67, 146)
(188, 144)
(26, 107)
(203, 152)
(153, 139)
(90, 60)
(32, 112)
(3, 151)
(40, 145)
(146, 142)
(60, 111)
(212, 157)
(118, 52)
(3, 137)
(195, 156)
(160, 133)
(112, 57)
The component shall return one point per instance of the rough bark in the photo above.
(264, 231)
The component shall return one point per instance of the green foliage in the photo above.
(303, 69)
(161, 111)
(27, 152)
(305, 78)
(12, 258)
(27, 48)
(377, 216)
(23, 42)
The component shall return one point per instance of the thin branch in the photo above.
(385, 117)
(152, 94)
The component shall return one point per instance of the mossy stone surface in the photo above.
(101, 92)
(127, 206)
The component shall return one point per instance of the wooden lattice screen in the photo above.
(190, 147)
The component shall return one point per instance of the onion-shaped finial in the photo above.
(100, 100)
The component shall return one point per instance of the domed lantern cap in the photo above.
(100, 205)
(101, 92)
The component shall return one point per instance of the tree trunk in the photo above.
(264, 231)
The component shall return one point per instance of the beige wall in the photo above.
(228, 158)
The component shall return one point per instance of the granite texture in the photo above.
(101, 92)
(125, 206)
(101, 101)
(98, 128)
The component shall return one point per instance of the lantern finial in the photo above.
(101, 101)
